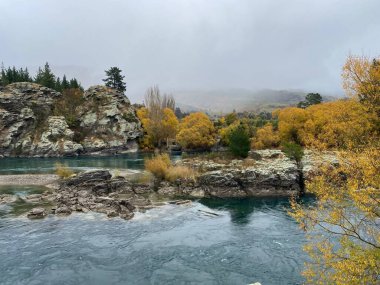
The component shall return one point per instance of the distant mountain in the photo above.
(227, 100)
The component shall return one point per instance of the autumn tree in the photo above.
(231, 118)
(361, 80)
(196, 131)
(343, 227)
(266, 137)
(290, 124)
(327, 125)
(343, 224)
(158, 118)
(115, 79)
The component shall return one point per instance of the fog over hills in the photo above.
(227, 100)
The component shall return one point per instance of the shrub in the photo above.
(293, 151)
(158, 165)
(196, 131)
(239, 143)
(265, 137)
(179, 172)
(63, 171)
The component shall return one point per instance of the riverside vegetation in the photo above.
(291, 151)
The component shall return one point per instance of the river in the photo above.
(207, 242)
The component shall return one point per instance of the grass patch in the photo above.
(63, 171)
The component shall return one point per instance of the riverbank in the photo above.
(123, 192)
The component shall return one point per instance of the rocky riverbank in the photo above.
(264, 173)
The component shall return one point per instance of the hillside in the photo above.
(227, 100)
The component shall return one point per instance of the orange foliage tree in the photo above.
(343, 224)
(196, 131)
(328, 125)
(266, 137)
(361, 79)
(158, 130)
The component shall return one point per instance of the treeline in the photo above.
(44, 76)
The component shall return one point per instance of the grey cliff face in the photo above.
(110, 120)
(29, 127)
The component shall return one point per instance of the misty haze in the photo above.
(189, 142)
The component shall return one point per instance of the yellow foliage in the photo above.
(225, 132)
(159, 126)
(348, 209)
(63, 171)
(158, 165)
(179, 172)
(290, 123)
(196, 131)
(265, 137)
(361, 80)
(335, 124)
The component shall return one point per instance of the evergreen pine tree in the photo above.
(58, 85)
(45, 77)
(2, 76)
(65, 84)
(115, 79)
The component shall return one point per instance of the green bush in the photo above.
(239, 142)
(293, 151)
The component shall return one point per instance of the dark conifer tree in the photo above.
(115, 79)
(45, 77)
(65, 84)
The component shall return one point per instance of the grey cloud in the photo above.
(192, 44)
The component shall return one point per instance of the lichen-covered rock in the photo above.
(110, 120)
(271, 174)
(57, 139)
(313, 160)
(24, 108)
(98, 191)
(29, 127)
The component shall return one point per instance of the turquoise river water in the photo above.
(207, 242)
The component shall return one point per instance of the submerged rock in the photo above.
(7, 198)
(36, 213)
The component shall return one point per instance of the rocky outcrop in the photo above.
(271, 173)
(28, 126)
(110, 121)
(97, 191)
(312, 162)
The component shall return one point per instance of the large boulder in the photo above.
(96, 191)
(109, 120)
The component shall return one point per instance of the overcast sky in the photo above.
(192, 44)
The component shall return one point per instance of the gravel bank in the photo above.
(28, 179)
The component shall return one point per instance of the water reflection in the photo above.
(241, 210)
(134, 161)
